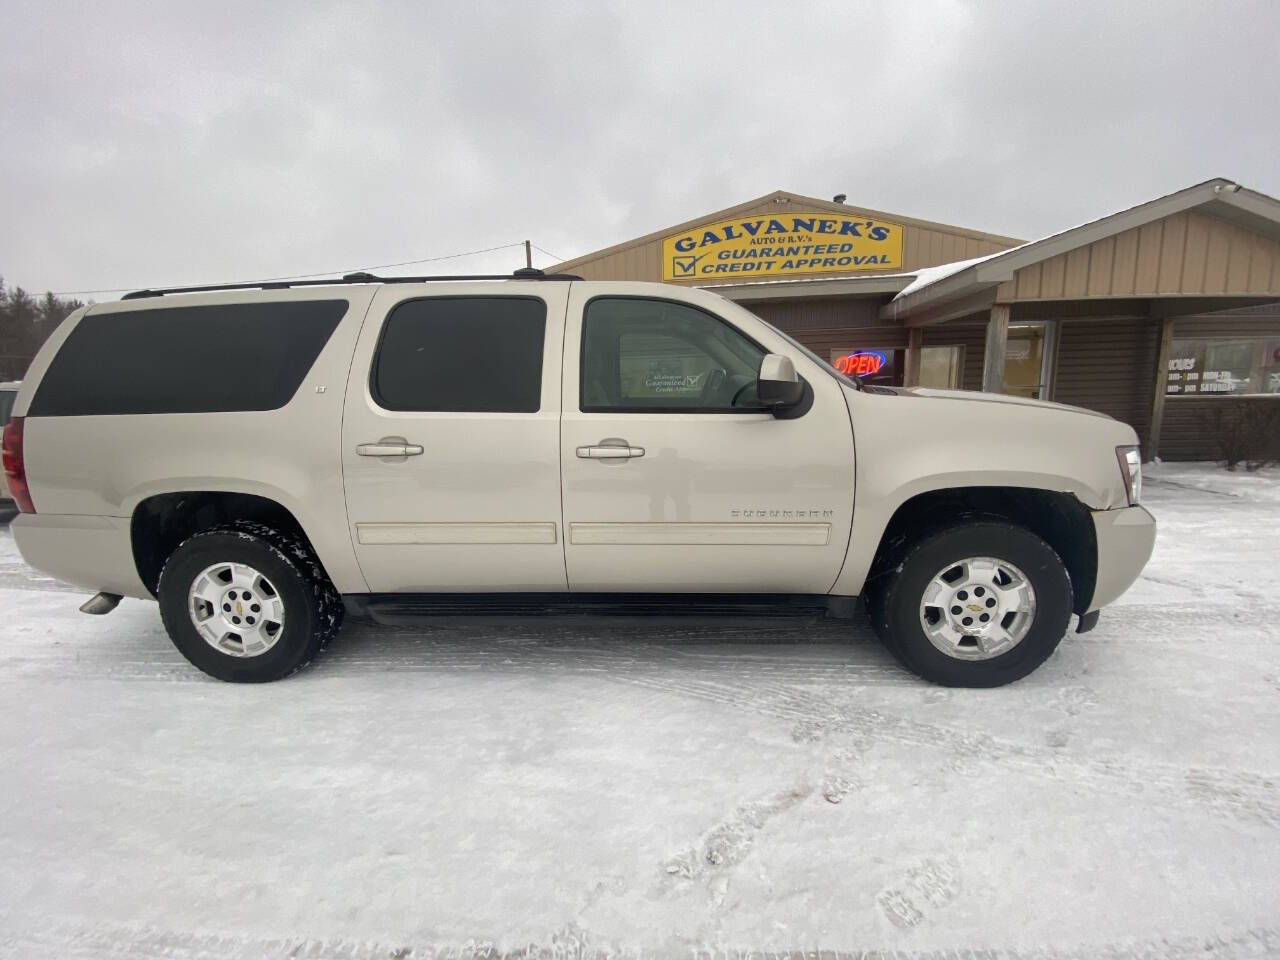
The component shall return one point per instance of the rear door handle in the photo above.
(610, 448)
(390, 447)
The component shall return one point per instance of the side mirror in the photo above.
(777, 384)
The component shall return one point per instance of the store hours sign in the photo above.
(790, 245)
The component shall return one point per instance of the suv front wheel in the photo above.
(980, 604)
(247, 603)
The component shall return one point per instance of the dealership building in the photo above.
(1152, 315)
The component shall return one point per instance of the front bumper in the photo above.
(1125, 538)
(91, 552)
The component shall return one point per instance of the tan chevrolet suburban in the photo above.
(263, 457)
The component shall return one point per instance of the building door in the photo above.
(676, 479)
(451, 438)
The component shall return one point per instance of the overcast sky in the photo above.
(167, 143)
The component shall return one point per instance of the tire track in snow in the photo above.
(803, 653)
(804, 650)
(1238, 794)
(780, 684)
(771, 668)
(68, 941)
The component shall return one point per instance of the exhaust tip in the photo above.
(101, 603)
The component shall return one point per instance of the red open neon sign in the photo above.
(864, 363)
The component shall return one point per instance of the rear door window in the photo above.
(462, 355)
(206, 359)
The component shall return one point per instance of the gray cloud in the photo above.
(169, 143)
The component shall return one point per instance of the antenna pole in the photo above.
(528, 255)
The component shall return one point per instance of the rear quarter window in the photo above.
(206, 359)
(7, 397)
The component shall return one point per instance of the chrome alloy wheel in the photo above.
(236, 610)
(978, 608)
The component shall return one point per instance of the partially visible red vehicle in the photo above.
(8, 393)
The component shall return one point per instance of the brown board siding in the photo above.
(1188, 433)
(1250, 322)
(827, 325)
(1185, 434)
(1109, 366)
(794, 315)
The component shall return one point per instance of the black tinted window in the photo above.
(462, 354)
(640, 355)
(7, 397)
(241, 356)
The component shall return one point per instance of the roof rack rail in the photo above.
(524, 273)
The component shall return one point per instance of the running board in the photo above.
(101, 604)
(405, 609)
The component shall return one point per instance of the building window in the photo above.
(1217, 367)
(881, 365)
(942, 367)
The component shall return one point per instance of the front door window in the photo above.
(641, 356)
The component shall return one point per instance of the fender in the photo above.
(330, 540)
(911, 444)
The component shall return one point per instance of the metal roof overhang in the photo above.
(974, 288)
(877, 285)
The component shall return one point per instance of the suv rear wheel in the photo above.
(247, 603)
(976, 605)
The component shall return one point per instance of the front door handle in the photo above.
(610, 448)
(390, 447)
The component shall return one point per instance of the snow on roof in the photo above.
(928, 275)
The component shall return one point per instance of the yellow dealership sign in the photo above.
(795, 244)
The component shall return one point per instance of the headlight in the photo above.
(1131, 471)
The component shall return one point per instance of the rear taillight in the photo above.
(15, 469)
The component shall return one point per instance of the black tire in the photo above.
(894, 603)
(313, 608)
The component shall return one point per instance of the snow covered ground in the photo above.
(564, 789)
